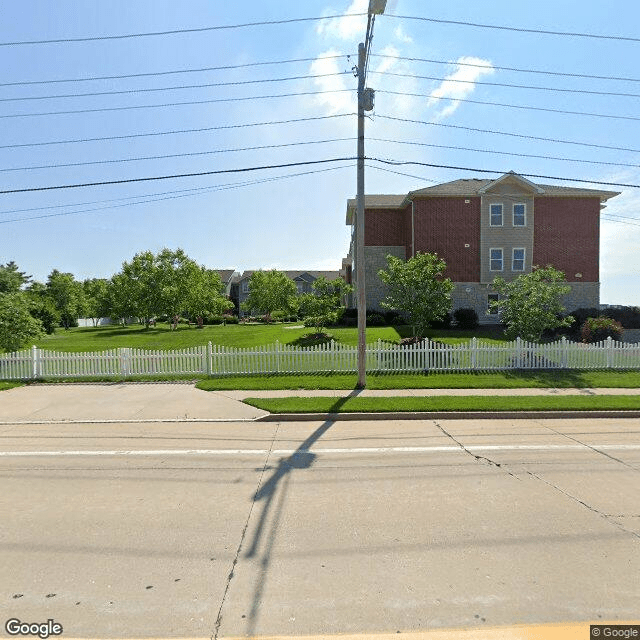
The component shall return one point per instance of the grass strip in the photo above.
(445, 403)
(497, 380)
(4, 386)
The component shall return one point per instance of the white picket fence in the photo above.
(34, 363)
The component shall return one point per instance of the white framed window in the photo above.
(496, 259)
(245, 286)
(519, 215)
(491, 310)
(495, 213)
(517, 260)
(300, 287)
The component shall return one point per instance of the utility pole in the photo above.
(365, 103)
(362, 298)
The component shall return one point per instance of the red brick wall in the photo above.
(384, 227)
(566, 235)
(445, 225)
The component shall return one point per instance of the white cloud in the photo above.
(388, 63)
(343, 99)
(347, 27)
(402, 36)
(459, 84)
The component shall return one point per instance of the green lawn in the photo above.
(9, 385)
(444, 403)
(241, 335)
(497, 380)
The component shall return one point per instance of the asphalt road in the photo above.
(231, 529)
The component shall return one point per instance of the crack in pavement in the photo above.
(588, 446)
(216, 631)
(584, 504)
(478, 458)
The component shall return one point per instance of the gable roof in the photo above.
(478, 186)
(329, 275)
(473, 187)
(225, 274)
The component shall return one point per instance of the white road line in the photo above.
(319, 451)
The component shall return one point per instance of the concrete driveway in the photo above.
(119, 401)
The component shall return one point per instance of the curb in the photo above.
(444, 415)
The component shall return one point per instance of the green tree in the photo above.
(96, 295)
(417, 288)
(206, 295)
(11, 279)
(271, 291)
(67, 295)
(17, 326)
(530, 303)
(169, 283)
(324, 306)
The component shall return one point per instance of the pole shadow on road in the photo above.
(301, 458)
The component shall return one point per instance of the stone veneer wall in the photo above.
(375, 258)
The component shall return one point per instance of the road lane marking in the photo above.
(320, 451)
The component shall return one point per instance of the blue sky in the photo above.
(271, 218)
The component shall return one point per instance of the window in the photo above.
(300, 286)
(519, 215)
(495, 261)
(517, 262)
(491, 310)
(245, 286)
(496, 215)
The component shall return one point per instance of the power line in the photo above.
(572, 34)
(308, 162)
(498, 171)
(510, 85)
(504, 153)
(175, 131)
(513, 135)
(176, 31)
(150, 74)
(510, 106)
(563, 74)
(174, 176)
(175, 155)
(223, 187)
(175, 104)
(175, 88)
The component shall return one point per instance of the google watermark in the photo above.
(625, 631)
(15, 627)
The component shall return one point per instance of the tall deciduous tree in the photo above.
(417, 288)
(17, 326)
(169, 283)
(271, 291)
(67, 295)
(96, 298)
(530, 303)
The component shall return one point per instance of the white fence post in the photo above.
(277, 356)
(474, 347)
(609, 352)
(35, 361)
(209, 358)
(124, 353)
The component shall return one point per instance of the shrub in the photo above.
(628, 317)
(601, 328)
(466, 318)
(375, 320)
(393, 318)
(229, 319)
(443, 323)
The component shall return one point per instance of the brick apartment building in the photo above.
(485, 228)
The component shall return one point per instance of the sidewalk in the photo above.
(125, 402)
